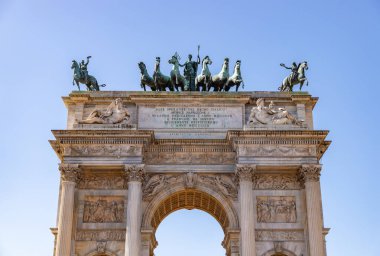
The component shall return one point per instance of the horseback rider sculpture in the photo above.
(83, 69)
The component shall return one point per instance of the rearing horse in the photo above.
(91, 83)
(235, 79)
(288, 82)
(218, 81)
(177, 79)
(204, 79)
(160, 80)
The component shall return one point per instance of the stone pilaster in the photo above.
(135, 176)
(309, 177)
(69, 176)
(244, 173)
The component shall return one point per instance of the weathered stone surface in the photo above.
(190, 151)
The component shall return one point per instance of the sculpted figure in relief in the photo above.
(156, 183)
(269, 115)
(103, 211)
(114, 114)
(276, 209)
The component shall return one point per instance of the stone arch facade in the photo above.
(260, 180)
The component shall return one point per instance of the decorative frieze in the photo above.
(102, 182)
(310, 173)
(190, 157)
(103, 210)
(245, 172)
(272, 209)
(283, 235)
(100, 235)
(101, 150)
(275, 182)
(69, 172)
(277, 150)
(135, 172)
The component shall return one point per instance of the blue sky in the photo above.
(339, 39)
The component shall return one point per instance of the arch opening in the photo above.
(190, 199)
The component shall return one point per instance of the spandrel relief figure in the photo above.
(270, 115)
(114, 114)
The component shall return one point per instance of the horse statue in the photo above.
(218, 81)
(235, 79)
(296, 77)
(160, 80)
(91, 82)
(177, 79)
(146, 79)
(204, 79)
(114, 114)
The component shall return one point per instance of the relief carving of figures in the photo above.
(223, 183)
(266, 235)
(157, 183)
(276, 209)
(102, 182)
(277, 150)
(102, 150)
(93, 235)
(190, 157)
(103, 210)
(114, 114)
(275, 181)
(270, 115)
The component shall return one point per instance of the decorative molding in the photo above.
(244, 172)
(309, 173)
(103, 209)
(190, 157)
(276, 209)
(69, 172)
(100, 235)
(277, 150)
(269, 235)
(275, 182)
(102, 150)
(135, 172)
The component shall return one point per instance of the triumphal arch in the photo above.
(250, 159)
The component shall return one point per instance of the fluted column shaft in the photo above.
(247, 222)
(69, 174)
(310, 177)
(133, 230)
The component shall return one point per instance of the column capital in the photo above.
(244, 172)
(69, 172)
(309, 173)
(134, 172)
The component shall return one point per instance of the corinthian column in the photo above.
(69, 175)
(309, 175)
(244, 174)
(135, 175)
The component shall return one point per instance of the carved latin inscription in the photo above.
(104, 235)
(103, 209)
(276, 209)
(267, 235)
(190, 117)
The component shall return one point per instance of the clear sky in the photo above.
(340, 39)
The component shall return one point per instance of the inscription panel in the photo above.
(190, 117)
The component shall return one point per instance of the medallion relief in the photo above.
(103, 209)
(273, 209)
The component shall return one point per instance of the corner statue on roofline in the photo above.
(81, 76)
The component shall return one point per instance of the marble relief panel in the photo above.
(276, 209)
(103, 209)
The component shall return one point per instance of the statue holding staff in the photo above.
(190, 70)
